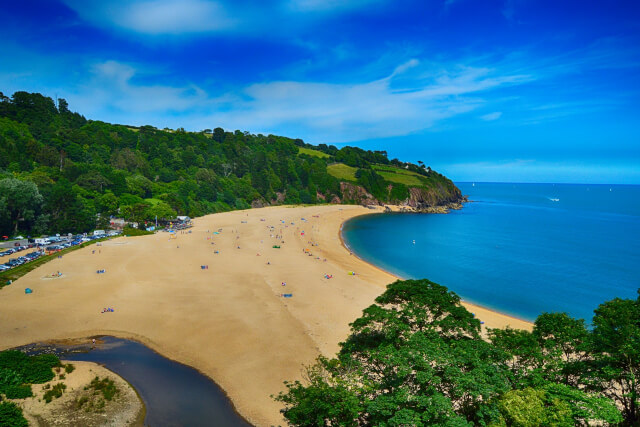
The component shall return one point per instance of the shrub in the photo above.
(69, 368)
(106, 386)
(81, 401)
(55, 392)
(130, 231)
(18, 391)
(11, 415)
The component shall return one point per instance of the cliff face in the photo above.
(357, 194)
(424, 198)
(438, 198)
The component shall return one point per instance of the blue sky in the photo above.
(504, 90)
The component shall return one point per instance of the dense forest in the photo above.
(417, 358)
(60, 172)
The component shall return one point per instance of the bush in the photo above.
(18, 391)
(11, 415)
(81, 401)
(69, 368)
(130, 231)
(106, 386)
(17, 370)
(55, 392)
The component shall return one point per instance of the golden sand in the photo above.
(230, 320)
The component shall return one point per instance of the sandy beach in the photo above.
(230, 319)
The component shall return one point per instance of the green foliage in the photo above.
(69, 368)
(17, 370)
(417, 357)
(129, 231)
(55, 392)
(615, 368)
(531, 408)
(105, 386)
(11, 415)
(18, 391)
(20, 204)
(71, 169)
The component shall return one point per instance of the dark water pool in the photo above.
(174, 394)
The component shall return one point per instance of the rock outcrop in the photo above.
(436, 199)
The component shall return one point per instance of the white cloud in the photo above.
(333, 112)
(327, 5)
(188, 17)
(492, 116)
(156, 16)
(399, 104)
(110, 92)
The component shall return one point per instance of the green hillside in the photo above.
(60, 172)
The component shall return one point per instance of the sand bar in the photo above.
(230, 320)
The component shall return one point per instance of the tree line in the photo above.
(60, 172)
(417, 357)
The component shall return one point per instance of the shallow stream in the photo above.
(174, 394)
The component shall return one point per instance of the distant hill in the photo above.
(60, 172)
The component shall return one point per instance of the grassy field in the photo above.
(400, 176)
(342, 171)
(310, 152)
(21, 270)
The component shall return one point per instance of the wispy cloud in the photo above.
(316, 111)
(190, 17)
(156, 16)
(327, 5)
(333, 112)
(491, 116)
(111, 94)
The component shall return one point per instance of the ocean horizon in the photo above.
(518, 248)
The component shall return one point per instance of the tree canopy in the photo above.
(86, 170)
(417, 357)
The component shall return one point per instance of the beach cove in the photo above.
(222, 298)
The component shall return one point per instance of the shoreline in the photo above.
(470, 305)
(232, 323)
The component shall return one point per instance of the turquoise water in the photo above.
(522, 249)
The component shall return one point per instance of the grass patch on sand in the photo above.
(132, 232)
(310, 152)
(21, 270)
(342, 171)
(100, 391)
(104, 385)
(54, 392)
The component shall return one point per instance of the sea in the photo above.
(521, 249)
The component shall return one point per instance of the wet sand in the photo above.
(230, 320)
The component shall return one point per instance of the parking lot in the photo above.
(18, 252)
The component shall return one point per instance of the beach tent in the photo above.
(28, 291)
